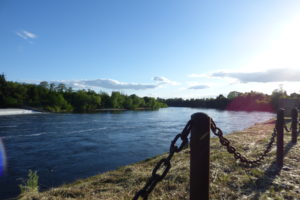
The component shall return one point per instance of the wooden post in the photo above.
(294, 125)
(279, 127)
(199, 160)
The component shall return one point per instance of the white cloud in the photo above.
(108, 84)
(271, 75)
(26, 35)
(164, 80)
(198, 87)
(116, 85)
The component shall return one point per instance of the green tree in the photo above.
(83, 101)
(277, 94)
(105, 100)
(44, 84)
(2, 89)
(61, 88)
(136, 101)
(233, 94)
(52, 87)
(117, 100)
(128, 103)
(61, 99)
(57, 103)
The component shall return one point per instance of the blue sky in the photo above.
(156, 48)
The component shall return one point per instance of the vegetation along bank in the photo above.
(59, 98)
(237, 101)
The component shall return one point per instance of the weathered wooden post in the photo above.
(199, 162)
(279, 127)
(294, 125)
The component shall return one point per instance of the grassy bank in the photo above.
(229, 180)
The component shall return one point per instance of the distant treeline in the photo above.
(237, 101)
(59, 98)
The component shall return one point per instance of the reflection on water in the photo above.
(65, 147)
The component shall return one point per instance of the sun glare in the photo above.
(2, 158)
(283, 50)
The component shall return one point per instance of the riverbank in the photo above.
(229, 180)
(16, 111)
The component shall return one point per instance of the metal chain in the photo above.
(225, 142)
(286, 128)
(165, 162)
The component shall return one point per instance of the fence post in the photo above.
(199, 157)
(279, 127)
(294, 125)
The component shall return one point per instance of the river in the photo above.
(66, 147)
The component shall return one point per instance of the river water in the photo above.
(66, 147)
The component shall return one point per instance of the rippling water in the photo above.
(65, 147)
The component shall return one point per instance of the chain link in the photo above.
(286, 128)
(165, 162)
(232, 150)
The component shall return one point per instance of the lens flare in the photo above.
(2, 158)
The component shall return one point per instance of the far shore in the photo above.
(31, 110)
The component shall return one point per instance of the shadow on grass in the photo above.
(263, 183)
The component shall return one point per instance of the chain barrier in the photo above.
(165, 163)
(232, 150)
(286, 128)
(155, 177)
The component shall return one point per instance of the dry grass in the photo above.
(229, 180)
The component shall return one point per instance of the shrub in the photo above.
(31, 184)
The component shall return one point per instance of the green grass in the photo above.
(228, 178)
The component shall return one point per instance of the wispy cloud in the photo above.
(164, 80)
(112, 84)
(116, 85)
(198, 87)
(271, 75)
(26, 35)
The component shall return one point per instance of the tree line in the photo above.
(60, 98)
(237, 101)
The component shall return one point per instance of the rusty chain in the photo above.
(225, 142)
(286, 128)
(166, 162)
(155, 177)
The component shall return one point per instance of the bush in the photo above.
(31, 184)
